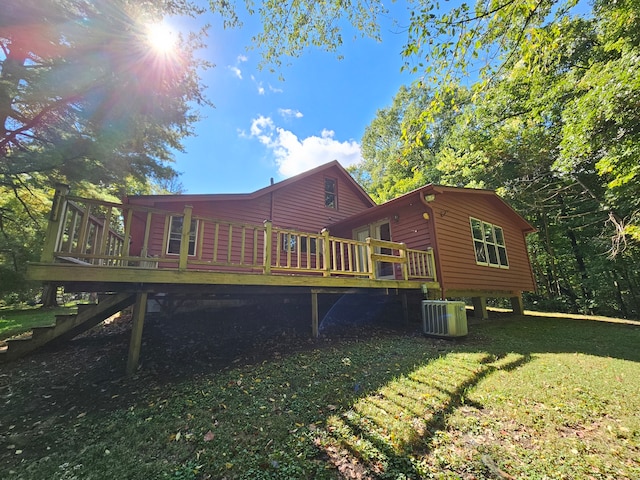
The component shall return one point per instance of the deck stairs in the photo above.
(67, 326)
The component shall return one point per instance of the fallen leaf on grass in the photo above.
(208, 436)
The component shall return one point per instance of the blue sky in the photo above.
(262, 127)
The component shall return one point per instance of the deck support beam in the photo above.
(405, 307)
(139, 311)
(480, 308)
(517, 304)
(314, 314)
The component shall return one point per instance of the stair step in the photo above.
(62, 319)
(67, 326)
(19, 345)
(83, 307)
(37, 332)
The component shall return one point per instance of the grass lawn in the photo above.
(13, 322)
(527, 397)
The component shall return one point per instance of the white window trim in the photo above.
(193, 234)
(494, 243)
(290, 243)
(334, 193)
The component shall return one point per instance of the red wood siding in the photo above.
(411, 228)
(250, 211)
(300, 205)
(458, 268)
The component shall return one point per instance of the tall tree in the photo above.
(389, 168)
(84, 96)
(86, 99)
(554, 129)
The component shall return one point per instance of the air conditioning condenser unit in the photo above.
(442, 318)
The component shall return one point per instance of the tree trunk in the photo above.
(49, 296)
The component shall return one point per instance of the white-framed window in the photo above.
(175, 235)
(290, 243)
(330, 193)
(488, 244)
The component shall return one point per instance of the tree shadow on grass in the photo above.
(384, 432)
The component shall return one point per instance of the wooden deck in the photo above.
(97, 246)
(92, 242)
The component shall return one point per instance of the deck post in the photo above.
(405, 307)
(480, 308)
(517, 304)
(184, 239)
(372, 263)
(405, 261)
(314, 314)
(268, 229)
(326, 253)
(139, 311)
(55, 221)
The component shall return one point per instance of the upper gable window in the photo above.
(330, 193)
(175, 236)
(488, 243)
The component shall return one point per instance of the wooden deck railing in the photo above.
(100, 233)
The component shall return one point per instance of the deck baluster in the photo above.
(53, 235)
(184, 240)
(326, 252)
(84, 229)
(268, 225)
(371, 262)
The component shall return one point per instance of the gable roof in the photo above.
(263, 191)
(418, 195)
(500, 203)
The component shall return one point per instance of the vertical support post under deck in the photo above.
(517, 304)
(405, 307)
(480, 308)
(314, 314)
(139, 311)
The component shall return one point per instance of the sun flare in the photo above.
(161, 37)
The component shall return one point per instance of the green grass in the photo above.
(15, 321)
(538, 398)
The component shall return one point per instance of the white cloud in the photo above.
(258, 85)
(294, 155)
(236, 71)
(275, 90)
(289, 113)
